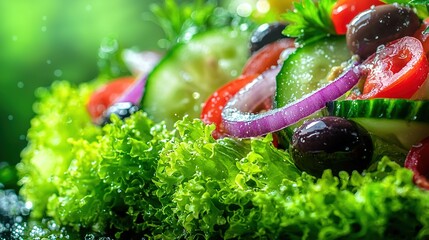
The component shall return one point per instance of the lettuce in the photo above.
(135, 178)
(60, 115)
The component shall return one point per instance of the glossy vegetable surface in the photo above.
(418, 161)
(212, 109)
(345, 10)
(395, 71)
(380, 25)
(331, 143)
(106, 95)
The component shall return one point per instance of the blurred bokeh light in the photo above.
(43, 40)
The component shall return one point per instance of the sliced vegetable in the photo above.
(364, 34)
(400, 121)
(105, 96)
(310, 68)
(212, 109)
(418, 161)
(397, 70)
(239, 122)
(268, 56)
(190, 72)
(345, 10)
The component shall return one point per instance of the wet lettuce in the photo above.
(135, 178)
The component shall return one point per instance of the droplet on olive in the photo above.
(265, 34)
(121, 109)
(331, 143)
(380, 25)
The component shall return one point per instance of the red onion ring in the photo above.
(238, 120)
(140, 64)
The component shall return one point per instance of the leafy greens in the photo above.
(137, 178)
(309, 20)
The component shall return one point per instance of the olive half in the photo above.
(380, 25)
(331, 143)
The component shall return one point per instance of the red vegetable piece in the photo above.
(267, 56)
(396, 71)
(106, 95)
(418, 161)
(345, 10)
(212, 109)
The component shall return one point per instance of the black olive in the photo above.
(121, 109)
(331, 143)
(265, 34)
(380, 25)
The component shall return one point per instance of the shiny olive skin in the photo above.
(380, 25)
(265, 34)
(331, 143)
(121, 109)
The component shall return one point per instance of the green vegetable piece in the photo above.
(399, 121)
(310, 68)
(190, 72)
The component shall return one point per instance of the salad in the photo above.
(308, 124)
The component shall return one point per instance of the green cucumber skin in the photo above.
(294, 80)
(189, 73)
(399, 121)
(401, 109)
(308, 68)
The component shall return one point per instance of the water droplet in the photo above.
(196, 95)
(44, 28)
(48, 61)
(58, 73)
(10, 117)
(20, 84)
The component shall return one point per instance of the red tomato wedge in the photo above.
(397, 70)
(267, 56)
(258, 63)
(212, 109)
(106, 95)
(418, 161)
(345, 10)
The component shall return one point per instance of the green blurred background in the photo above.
(46, 40)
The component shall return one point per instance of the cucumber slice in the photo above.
(310, 68)
(399, 121)
(190, 72)
(306, 70)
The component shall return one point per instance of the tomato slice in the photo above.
(259, 62)
(345, 10)
(267, 56)
(418, 161)
(106, 95)
(212, 109)
(396, 71)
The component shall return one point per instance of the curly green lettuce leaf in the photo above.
(108, 185)
(207, 186)
(60, 116)
(135, 178)
(263, 196)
